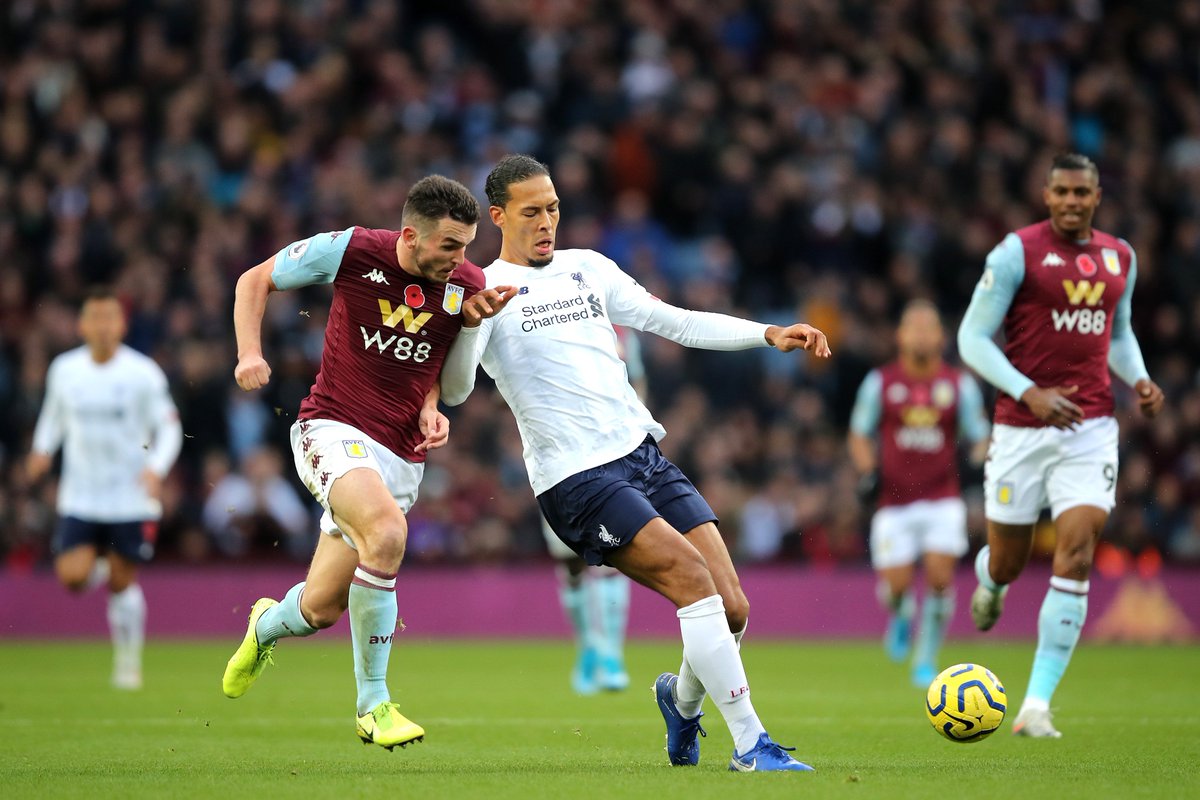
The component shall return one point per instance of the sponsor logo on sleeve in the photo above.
(298, 249)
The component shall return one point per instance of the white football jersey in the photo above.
(554, 357)
(112, 420)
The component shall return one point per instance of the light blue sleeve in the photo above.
(1002, 277)
(868, 405)
(1124, 353)
(972, 419)
(312, 260)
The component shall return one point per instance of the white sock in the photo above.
(127, 626)
(689, 691)
(98, 575)
(712, 653)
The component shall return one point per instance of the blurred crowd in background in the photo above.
(815, 160)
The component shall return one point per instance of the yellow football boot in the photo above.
(387, 727)
(250, 659)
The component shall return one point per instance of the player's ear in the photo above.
(409, 235)
(497, 215)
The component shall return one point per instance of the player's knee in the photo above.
(321, 617)
(1074, 561)
(737, 612)
(385, 543)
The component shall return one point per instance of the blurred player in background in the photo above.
(904, 432)
(591, 447)
(596, 599)
(1063, 292)
(108, 407)
(362, 433)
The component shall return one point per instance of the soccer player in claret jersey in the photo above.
(591, 446)
(904, 431)
(1062, 291)
(108, 407)
(362, 433)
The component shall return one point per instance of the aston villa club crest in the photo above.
(1111, 262)
(452, 300)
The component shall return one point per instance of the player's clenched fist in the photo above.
(485, 304)
(252, 372)
(799, 337)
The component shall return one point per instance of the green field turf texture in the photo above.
(501, 722)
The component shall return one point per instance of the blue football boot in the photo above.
(683, 749)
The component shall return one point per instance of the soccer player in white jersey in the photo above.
(543, 329)
(1062, 291)
(108, 407)
(596, 598)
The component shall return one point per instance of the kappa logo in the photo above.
(402, 315)
(1053, 259)
(307, 443)
(316, 460)
(377, 276)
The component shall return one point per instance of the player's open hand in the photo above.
(436, 428)
(1150, 397)
(1052, 407)
(799, 337)
(252, 372)
(486, 304)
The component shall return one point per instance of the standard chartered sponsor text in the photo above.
(556, 313)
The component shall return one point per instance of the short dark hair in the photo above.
(436, 197)
(98, 291)
(1073, 162)
(509, 170)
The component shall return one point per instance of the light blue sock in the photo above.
(936, 612)
(574, 603)
(612, 600)
(284, 620)
(981, 570)
(1059, 624)
(372, 628)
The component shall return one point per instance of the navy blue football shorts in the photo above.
(133, 541)
(602, 508)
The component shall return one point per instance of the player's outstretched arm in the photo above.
(249, 305)
(798, 337)
(457, 378)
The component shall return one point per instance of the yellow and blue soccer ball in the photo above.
(966, 703)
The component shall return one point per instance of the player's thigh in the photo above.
(72, 566)
(660, 558)
(336, 461)
(1014, 473)
(327, 587)
(894, 538)
(939, 570)
(707, 540)
(1085, 473)
(363, 508)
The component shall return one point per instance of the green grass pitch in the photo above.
(501, 722)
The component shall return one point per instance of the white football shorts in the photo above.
(324, 450)
(901, 534)
(1028, 469)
